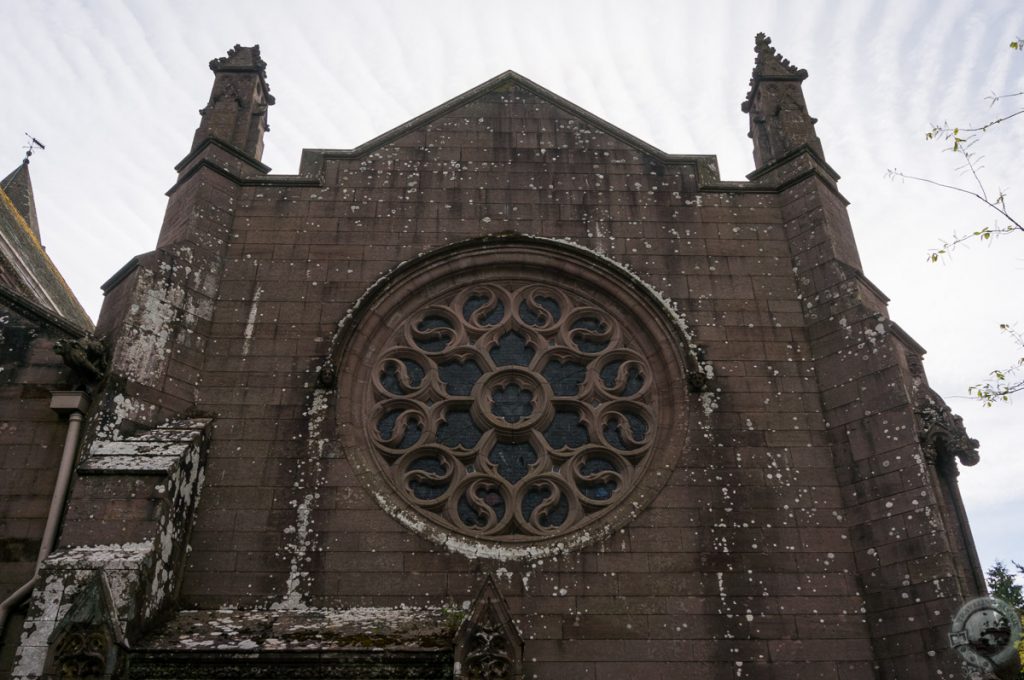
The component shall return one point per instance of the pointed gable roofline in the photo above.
(311, 163)
(253, 173)
(312, 157)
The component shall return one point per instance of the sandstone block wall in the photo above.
(753, 557)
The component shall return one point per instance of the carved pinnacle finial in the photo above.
(771, 62)
(244, 59)
(779, 122)
(769, 65)
(237, 110)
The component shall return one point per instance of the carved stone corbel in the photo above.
(327, 375)
(487, 644)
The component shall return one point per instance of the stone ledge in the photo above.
(157, 451)
(359, 628)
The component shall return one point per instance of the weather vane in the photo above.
(32, 144)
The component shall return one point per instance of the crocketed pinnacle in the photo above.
(244, 59)
(769, 65)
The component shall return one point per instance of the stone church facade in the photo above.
(503, 393)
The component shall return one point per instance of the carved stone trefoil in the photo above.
(488, 645)
(86, 644)
(82, 653)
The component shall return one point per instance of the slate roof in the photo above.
(18, 187)
(25, 268)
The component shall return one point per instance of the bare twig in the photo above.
(950, 131)
(998, 205)
(1007, 381)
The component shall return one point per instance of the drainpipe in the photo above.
(73, 404)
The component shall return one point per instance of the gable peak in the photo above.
(505, 78)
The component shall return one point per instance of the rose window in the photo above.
(503, 403)
(511, 411)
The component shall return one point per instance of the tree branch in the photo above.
(952, 187)
(949, 131)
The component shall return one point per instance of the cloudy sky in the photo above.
(113, 88)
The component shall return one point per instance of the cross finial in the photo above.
(33, 144)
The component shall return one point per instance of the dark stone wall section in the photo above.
(32, 436)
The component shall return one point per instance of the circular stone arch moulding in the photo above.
(512, 397)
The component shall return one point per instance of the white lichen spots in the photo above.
(148, 330)
(709, 403)
(477, 550)
(33, 647)
(112, 557)
(667, 305)
(63, 574)
(313, 629)
(184, 484)
(123, 408)
(250, 323)
(300, 539)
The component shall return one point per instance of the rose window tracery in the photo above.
(511, 411)
(518, 392)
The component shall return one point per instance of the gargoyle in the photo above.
(942, 433)
(87, 355)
